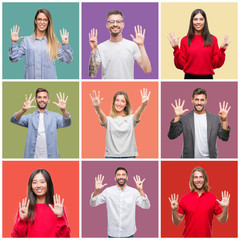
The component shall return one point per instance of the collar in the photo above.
(119, 189)
(35, 38)
(195, 193)
(45, 112)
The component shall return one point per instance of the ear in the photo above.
(192, 100)
(35, 99)
(115, 179)
(107, 25)
(127, 177)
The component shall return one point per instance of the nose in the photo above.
(115, 23)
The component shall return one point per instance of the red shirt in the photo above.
(198, 213)
(46, 224)
(197, 59)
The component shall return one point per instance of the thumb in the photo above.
(132, 36)
(51, 207)
(55, 103)
(218, 201)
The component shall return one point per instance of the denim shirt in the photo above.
(52, 121)
(38, 65)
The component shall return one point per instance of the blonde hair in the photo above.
(52, 41)
(205, 177)
(127, 109)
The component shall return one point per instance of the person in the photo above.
(200, 128)
(117, 54)
(120, 138)
(198, 206)
(199, 53)
(121, 201)
(42, 124)
(41, 49)
(42, 213)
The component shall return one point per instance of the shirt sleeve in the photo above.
(181, 208)
(16, 52)
(22, 121)
(143, 202)
(180, 54)
(63, 229)
(136, 51)
(218, 55)
(107, 122)
(134, 123)
(99, 199)
(65, 54)
(62, 121)
(20, 227)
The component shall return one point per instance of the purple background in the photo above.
(216, 92)
(94, 219)
(94, 15)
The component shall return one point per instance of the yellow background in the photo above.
(222, 19)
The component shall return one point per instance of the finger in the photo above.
(104, 185)
(183, 103)
(222, 194)
(134, 179)
(141, 29)
(173, 106)
(185, 110)
(138, 28)
(61, 33)
(135, 28)
(102, 178)
(26, 97)
(132, 36)
(174, 196)
(98, 94)
(218, 201)
(220, 105)
(226, 106)
(143, 180)
(18, 30)
(32, 100)
(19, 206)
(223, 104)
(179, 101)
(177, 198)
(144, 32)
(176, 103)
(149, 94)
(60, 95)
(66, 99)
(59, 199)
(170, 200)
(229, 108)
(63, 96)
(141, 93)
(51, 207)
(62, 201)
(54, 200)
(30, 97)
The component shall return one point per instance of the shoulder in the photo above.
(213, 116)
(134, 190)
(186, 116)
(184, 39)
(103, 44)
(129, 43)
(211, 195)
(214, 38)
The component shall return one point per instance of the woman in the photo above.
(199, 53)
(120, 139)
(41, 214)
(40, 49)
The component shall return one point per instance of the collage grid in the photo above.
(82, 145)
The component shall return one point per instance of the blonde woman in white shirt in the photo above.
(120, 125)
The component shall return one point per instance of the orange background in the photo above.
(146, 132)
(65, 177)
(222, 175)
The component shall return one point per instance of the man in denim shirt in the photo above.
(42, 125)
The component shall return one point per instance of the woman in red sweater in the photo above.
(199, 53)
(41, 214)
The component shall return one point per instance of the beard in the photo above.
(115, 34)
(121, 184)
(198, 187)
(195, 108)
(38, 105)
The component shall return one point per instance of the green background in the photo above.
(65, 15)
(14, 136)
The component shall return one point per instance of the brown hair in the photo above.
(205, 184)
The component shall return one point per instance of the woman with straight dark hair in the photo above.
(41, 214)
(120, 125)
(199, 53)
(41, 49)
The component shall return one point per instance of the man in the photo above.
(42, 124)
(117, 54)
(121, 201)
(200, 128)
(199, 206)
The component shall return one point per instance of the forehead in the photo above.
(38, 176)
(121, 172)
(42, 94)
(199, 96)
(120, 97)
(197, 174)
(41, 15)
(115, 17)
(199, 15)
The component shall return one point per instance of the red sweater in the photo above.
(46, 224)
(197, 59)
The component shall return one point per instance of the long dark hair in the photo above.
(207, 37)
(31, 195)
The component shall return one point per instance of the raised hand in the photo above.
(139, 183)
(99, 182)
(23, 208)
(223, 110)
(225, 199)
(145, 96)
(65, 36)
(28, 102)
(225, 42)
(178, 108)
(62, 102)
(173, 40)
(174, 201)
(140, 35)
(14, 34)
(96, 101)
(93, 39)
(57, 208)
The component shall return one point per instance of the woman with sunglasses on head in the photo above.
(41, 214)
(41, 49)
(120, 125)
(199, 53)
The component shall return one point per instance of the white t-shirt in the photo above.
(120, 138)
(41, 144)
(117, 59)
(201, 141)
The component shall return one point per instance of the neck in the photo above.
(117, 38)
(41, 199)
(122, 187)
(121, 114)
(42, 110)
(40, 34)
(198, 32)
(200, 192)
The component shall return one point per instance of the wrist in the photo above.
(93, 50)
(224, 120)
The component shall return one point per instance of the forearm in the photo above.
(20, 113)
(175, 217)
(142, 193)
(95, 193)
(64, 113)
(62, 229)
(101, 115)
(93, 65)
(138, 112)
(225, 124)
(145, 65)
(224, 215)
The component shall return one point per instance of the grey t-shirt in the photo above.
(120, 138)
(117, 59)
(201, 142)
